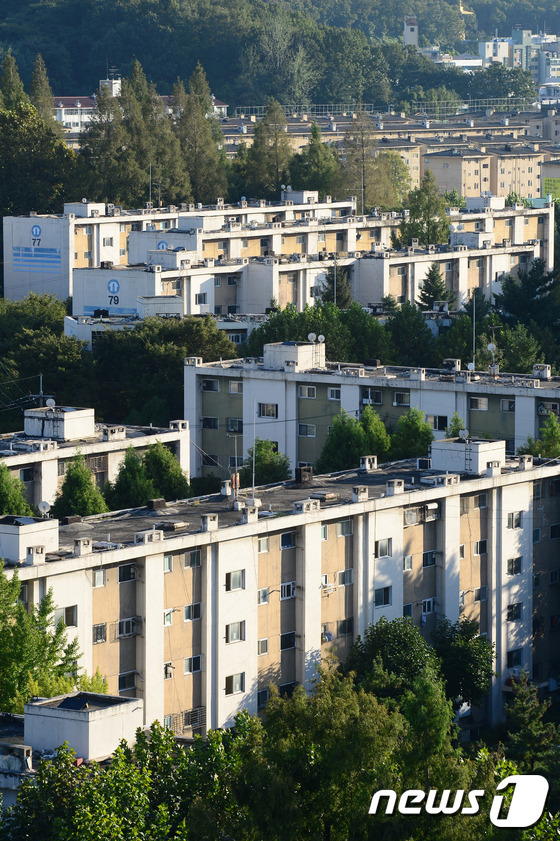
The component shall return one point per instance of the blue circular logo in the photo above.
(162, 245)
(36, 231)
(113, 286)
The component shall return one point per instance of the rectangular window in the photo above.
(554, 576)
(287, 641)
(127, 627)
(268, 410)
(262, 595)
(107, 242)
(383, 547)
(514, 612)
(68, 615)
(383, 596)
(514, 520)
(98, 578)
(344, 528)
(428, 606)
(428, 559)
(235, 580)
(407, 610)
(127, 572)
(555, 531)
(210, 459)
(401, 398)
(324, 532)
(372, 395)
(99, 633)
(168, 671)
(26, 474)
(481, 501)
(324, 580)
(345, 627)
(192, 664)
(168, 617)
(235, 464)
(478, 404)
(232, 281)
(127, 680)
(23, 594)
(210, 385)
(210, 423)
(192, 611)
(287, 590)
(307, 430)
(263, 545)
(407, 563)
(536, 579)
(481, 594)
(262, 698)
(462, 551)
(235, 632)
(122, 252)
(334, 394)
(235, 424)
(345, 577)
(192, 558)
(288, 540)
(168, 563)
(307, 391)
(480, 547)
(235, 683)
(507, 405)
(513, 659)
(235, 387)
(514, 566)
(262, 646)
(536, 535)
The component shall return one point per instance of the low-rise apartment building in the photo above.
(39, 455)
(198, 607)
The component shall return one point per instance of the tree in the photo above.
(270, 465)
(268, 159)
(412, 437)
(78, 494)
(164, 471)
(40, 91)
(377, 439)
(466, 660)
(532, 743)
(532, 296)
(520, 349)
(434, 289)
(548, 445)
(453, 198)
(392, 181)
(345, 443)
(359, 167)
(12, 493)
(29, 648)
(456, 426)
(316, 167)
(427, 221)
(412, 342)
(132, 488)
(336, 287)
(11, 85)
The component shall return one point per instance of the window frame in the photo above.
(192, 608)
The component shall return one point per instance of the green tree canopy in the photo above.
(533, 295)
(344, 445)
(532, 741)
(78, 494)
(164, 471)
(434, 289)
(456, 425)
(427, 221)
(11, 86)
(337, 287)
(413, 435)
(132, 488)
(466, 659)
(40, 92)
(316, 167)
(12, 493)
(412, 342)
(270, 465)
(269, 158)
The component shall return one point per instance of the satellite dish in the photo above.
(51, 403)
(282, 186)
(321, 339)
(491, 347)
(288, 188)
(243, 198)
(470, 366)
(44, 507)
(312, 337)
(84, 201)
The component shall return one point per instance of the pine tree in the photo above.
(132, 488)
(360, 167)
(427, 221)
(40, 91)
(10, 84)
(271, 153)
(532, 742)
(336, 287)
(199, 87)
(316, 167)
(456, 425)
(434, 289)
(12, 493)
(164, 471)
(78, 494)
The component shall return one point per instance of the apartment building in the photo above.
(40, 454)
(198, 607)
(291, 394)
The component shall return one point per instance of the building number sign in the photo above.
(113, 288)
(36, 235)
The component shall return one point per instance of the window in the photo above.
(555, 531)
(168, 722)
(344, 528)
(480, 547)
(127, 572)
(107, 242)
(168, 617)
(428, 606)
(288, 540)
(554, 576)
(68, 615)
(122, 252)
(514, 566)
(235, 387)
(345, 577)
(407, 610)
(98, 578)
(263, 545)
(210, 385)
(383, 596)
(383, 547)
(537, 490)
(235, 463)
(536, 579)
(87, 255)
(536, 535)
(513, 658)
(168, 670)
(262, 646)
(345, 627)
(514, 520)
(507, 405)
(288, 590)
(23, 594)
(26, 474)
(235, 580)
(462, 551)
(268, 410)
(372, 395)
(210, 459)
(307, 430)
(168, 563)
(99, 633)
(262, 595)
(262, 698)
(235, 424)
(428, 559)
(235, 632)
(192, 558)
(478, 404)
(210, 423)
(287, 641)
(127, 627)
(324, 532)
(127, 680)
(324, 580)
(200, 298)
(481, 594)
(481, 501)
(334, 393)
(407, 563)
(307, 391)
(235, 683)
(192, 611)
(514, 612)
(401, 398)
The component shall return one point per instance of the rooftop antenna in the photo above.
(44, 508)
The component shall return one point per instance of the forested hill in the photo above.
(239, 42)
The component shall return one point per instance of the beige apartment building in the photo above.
(197, 607)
